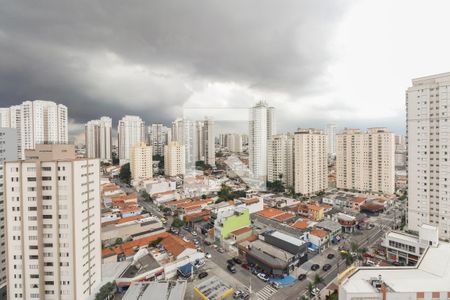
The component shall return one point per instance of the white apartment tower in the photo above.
(131, 131)
(184, 132)
(141, 165)
(209, 145)
(232, 141)
(174, 159)
(53, 225)
(37, 122)
(428, 143)
(331, 133)
(310, 161)
(261, 129)
(365, 161)
(8, 151)
(159, 136)
(98, 138)
(280, 164)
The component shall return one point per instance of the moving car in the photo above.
(231, 268)
(237, 260)
(263, 277)
(202, 275)
(276, 285)
(237, 294)
(302, 277)
(194, 233)
(326, 267)
(330, 256)
(315, 267)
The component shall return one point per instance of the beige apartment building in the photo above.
(141, 164)
(280, 159)
(174, 159)
(53, 227)
(310, 161)
(365, 161)
(428, 143)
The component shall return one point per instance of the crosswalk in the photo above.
(266, 293)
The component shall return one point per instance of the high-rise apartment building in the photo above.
(174, 159)
(98, 138)
(8, 151)
(310, 161)
(159, 135)
(331, 133)
(208, 142)
(53, 225)
(184, 132)
(232, 141)
(261, 129)
(428, 143)
(280, 164)
(141, 164)
(131, 130)
(37, 122)
(365, 161)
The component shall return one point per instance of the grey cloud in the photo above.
(48, 47)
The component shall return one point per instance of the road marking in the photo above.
(266, 292)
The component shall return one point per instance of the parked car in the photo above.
(326, 267)
(315, 291)
(207, 243)
(302, 277)
(230, 261)
(237, 260)
(255, 272)
(315, 267)
(199, 264)
(231, 268)
(208, 255)
(194, 233)
(202, 275)
(370, 263)
(276, 285)
(220, 250)
(397, 264)
(263, 277)
(246, 266)
(330, 256)
(237, 294)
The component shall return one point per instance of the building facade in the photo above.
(37, 122)
(280, 165)
(141, 164)
(131, 130)
(331, 133)
(208, 144)
(232, 141)
(310, 161)
(261, 129)
(365, 161)
(8, 151)
(174, 159)
(53, 227)
(98, 138)
(428, 134)
(158, 135)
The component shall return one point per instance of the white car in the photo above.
(208, 255)
(315, 291)
(194, 233)
(263, 277)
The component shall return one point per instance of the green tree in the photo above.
(276, 186)
(310, 289)
(105, 291)
(119, 241)
(204, 196)
(318, 279)
(177, 222)
(155, 242)
(125, 173)
(354, 246)
(146, 196)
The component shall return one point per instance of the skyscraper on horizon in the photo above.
(159, 135)
(131, 131)
(331, 133)
(98, 139)
(261, 129)
(280, 165)
(208, 142)
(428, 160)
(37, 122)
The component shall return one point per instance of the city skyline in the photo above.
(326, 81)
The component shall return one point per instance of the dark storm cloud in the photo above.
(76, 52)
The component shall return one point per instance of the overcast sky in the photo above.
(347, 62)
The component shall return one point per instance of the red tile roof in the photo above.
(270, 212)
(301, 224)
(359, 200)
(285, 216)
(319, 232)
(241, 231)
